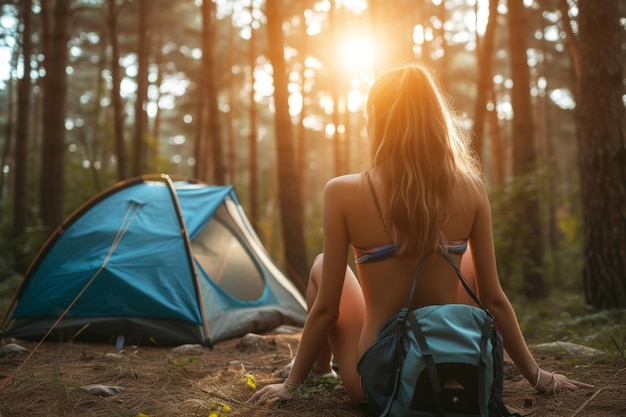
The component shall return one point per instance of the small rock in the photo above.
(285, 329)
(102, 390)
(113, 356)
(254, 342)
(12, 349)
(284, 373)
(569, 348)
(189, 349)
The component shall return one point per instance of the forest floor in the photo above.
(194, 381)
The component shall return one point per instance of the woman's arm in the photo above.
(494, 298)
(324, 312)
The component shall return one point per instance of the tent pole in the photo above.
(192, 266)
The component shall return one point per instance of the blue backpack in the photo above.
(436, 361)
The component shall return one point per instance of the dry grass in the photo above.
(163, 382)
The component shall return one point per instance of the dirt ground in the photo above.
(195, 381)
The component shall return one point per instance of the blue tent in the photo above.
(151, 260)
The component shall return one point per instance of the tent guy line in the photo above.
(134, 208)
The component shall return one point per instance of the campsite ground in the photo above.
(194, 381)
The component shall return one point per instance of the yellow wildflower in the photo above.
(250, 380)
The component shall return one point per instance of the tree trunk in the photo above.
(20, 198)
(602, 154)
(55, 28)
(484, 54)
(200, 167)
(153, 148)
(303, 148)
(232, 94)
(289, 195)
(7, 149)
(526, 198)
(141, 117)
(334, 87)
(213, 137)
(252, 138)
(116, 98)
(498, 154)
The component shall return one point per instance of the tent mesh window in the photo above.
(219, 251)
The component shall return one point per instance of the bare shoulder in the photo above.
(343, 183)
(343, 192)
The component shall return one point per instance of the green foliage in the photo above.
(81, 184)
(621, 347)
(6, 253)
(564, 317)
(8, 286)
(28, 244)
(562, 231)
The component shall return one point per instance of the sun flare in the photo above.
(355, 52)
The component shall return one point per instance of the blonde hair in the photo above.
(419, 148)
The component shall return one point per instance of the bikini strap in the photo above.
(377, 204)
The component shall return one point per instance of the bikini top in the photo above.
(379, 253)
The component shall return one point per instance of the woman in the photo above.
(422, 191)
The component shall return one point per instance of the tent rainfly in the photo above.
(154, 260)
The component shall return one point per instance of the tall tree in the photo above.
(159, 41)
(213, 138)
(20, 197)
(524, 156)
(141, 98)
(55, 35)
(7, 148)
(334, 92)
(290, 198)
(602, 153)
(303, 50)
(253, 165)
(484, 52)
(116, 98)
(230, 131)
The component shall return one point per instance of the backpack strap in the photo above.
(427, 355)
(459, 274)
(457, 269)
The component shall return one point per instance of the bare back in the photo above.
(385, 283)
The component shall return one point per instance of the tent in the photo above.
(154, 260)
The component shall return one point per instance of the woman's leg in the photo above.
(344, 338)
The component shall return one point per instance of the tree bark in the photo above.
(55, 27)
(20, 198)
(485, 77)
(290, 199)
(303, 148)
(334, 92)
(141, 98)
(213, 145)
(252, 138)
(116, 98)
(602, 154)
(526, 198)
(232, 94)
(7, 148)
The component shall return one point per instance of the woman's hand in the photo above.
(551, 383)
(281, 391)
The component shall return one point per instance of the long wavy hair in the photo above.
(419, 148)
